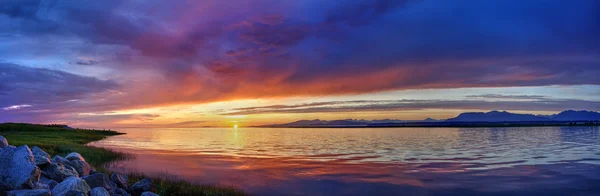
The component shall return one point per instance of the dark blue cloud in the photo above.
(447, 35)
(45, 88)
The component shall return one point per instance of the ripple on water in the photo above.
(423, 161)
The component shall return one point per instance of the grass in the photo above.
(172, 186)
(61, 140)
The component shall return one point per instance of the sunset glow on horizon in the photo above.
(229, 63)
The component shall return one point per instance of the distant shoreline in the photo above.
(468, 119)
(451, 125)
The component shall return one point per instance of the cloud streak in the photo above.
(517, 97)
(404, 105)
(16, 107)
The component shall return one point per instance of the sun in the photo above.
(235, 126)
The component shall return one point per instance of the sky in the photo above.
(189, 63)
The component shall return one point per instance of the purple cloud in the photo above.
(158, 53)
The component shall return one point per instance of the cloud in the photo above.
(15, 107)
(402, 105)
(516, 97)
(115, 117)
(197, 123)
(274, 34)
(20, 9)
(87, 62)
(203, 51)
(32, 92)
(363, 12)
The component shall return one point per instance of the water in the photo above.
(378, 161)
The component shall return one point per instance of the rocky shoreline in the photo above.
(28, 171)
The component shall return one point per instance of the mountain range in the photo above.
(469, 117)
(503, 116)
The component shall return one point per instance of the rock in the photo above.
(93, 170)
(59, 171)
(149, 194)
(38, 151)
(82, 167)
(59, 159)
(44, 178)
(3, 142)
(141, 186)
(43, 174)
(101, 180)
(75, 193)
(37, 192)
(121, 180)
(17, 169)
(52, 184)
(74, 156)
(40, 157)
(40, 185)
(121, 192)
(71, 186)
(41, 161)
(99, 191)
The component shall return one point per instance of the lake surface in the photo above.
(371, 161)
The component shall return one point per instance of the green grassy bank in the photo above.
(61, 140)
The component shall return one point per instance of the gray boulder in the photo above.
(74, 156)
(82, 167)
(45, 180)
(100, 180)
(141, 186)
(3, 142)
(71, 186)
(149, 194)
(59, 159)
(40, 185)
(36, 192)
(76, 193)
(52, 184)
(59, 171)
(38, 151)
(17, 169)
(41, 161)
(121, 180)
(121, 192)
(40, 157)
(99, 191)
